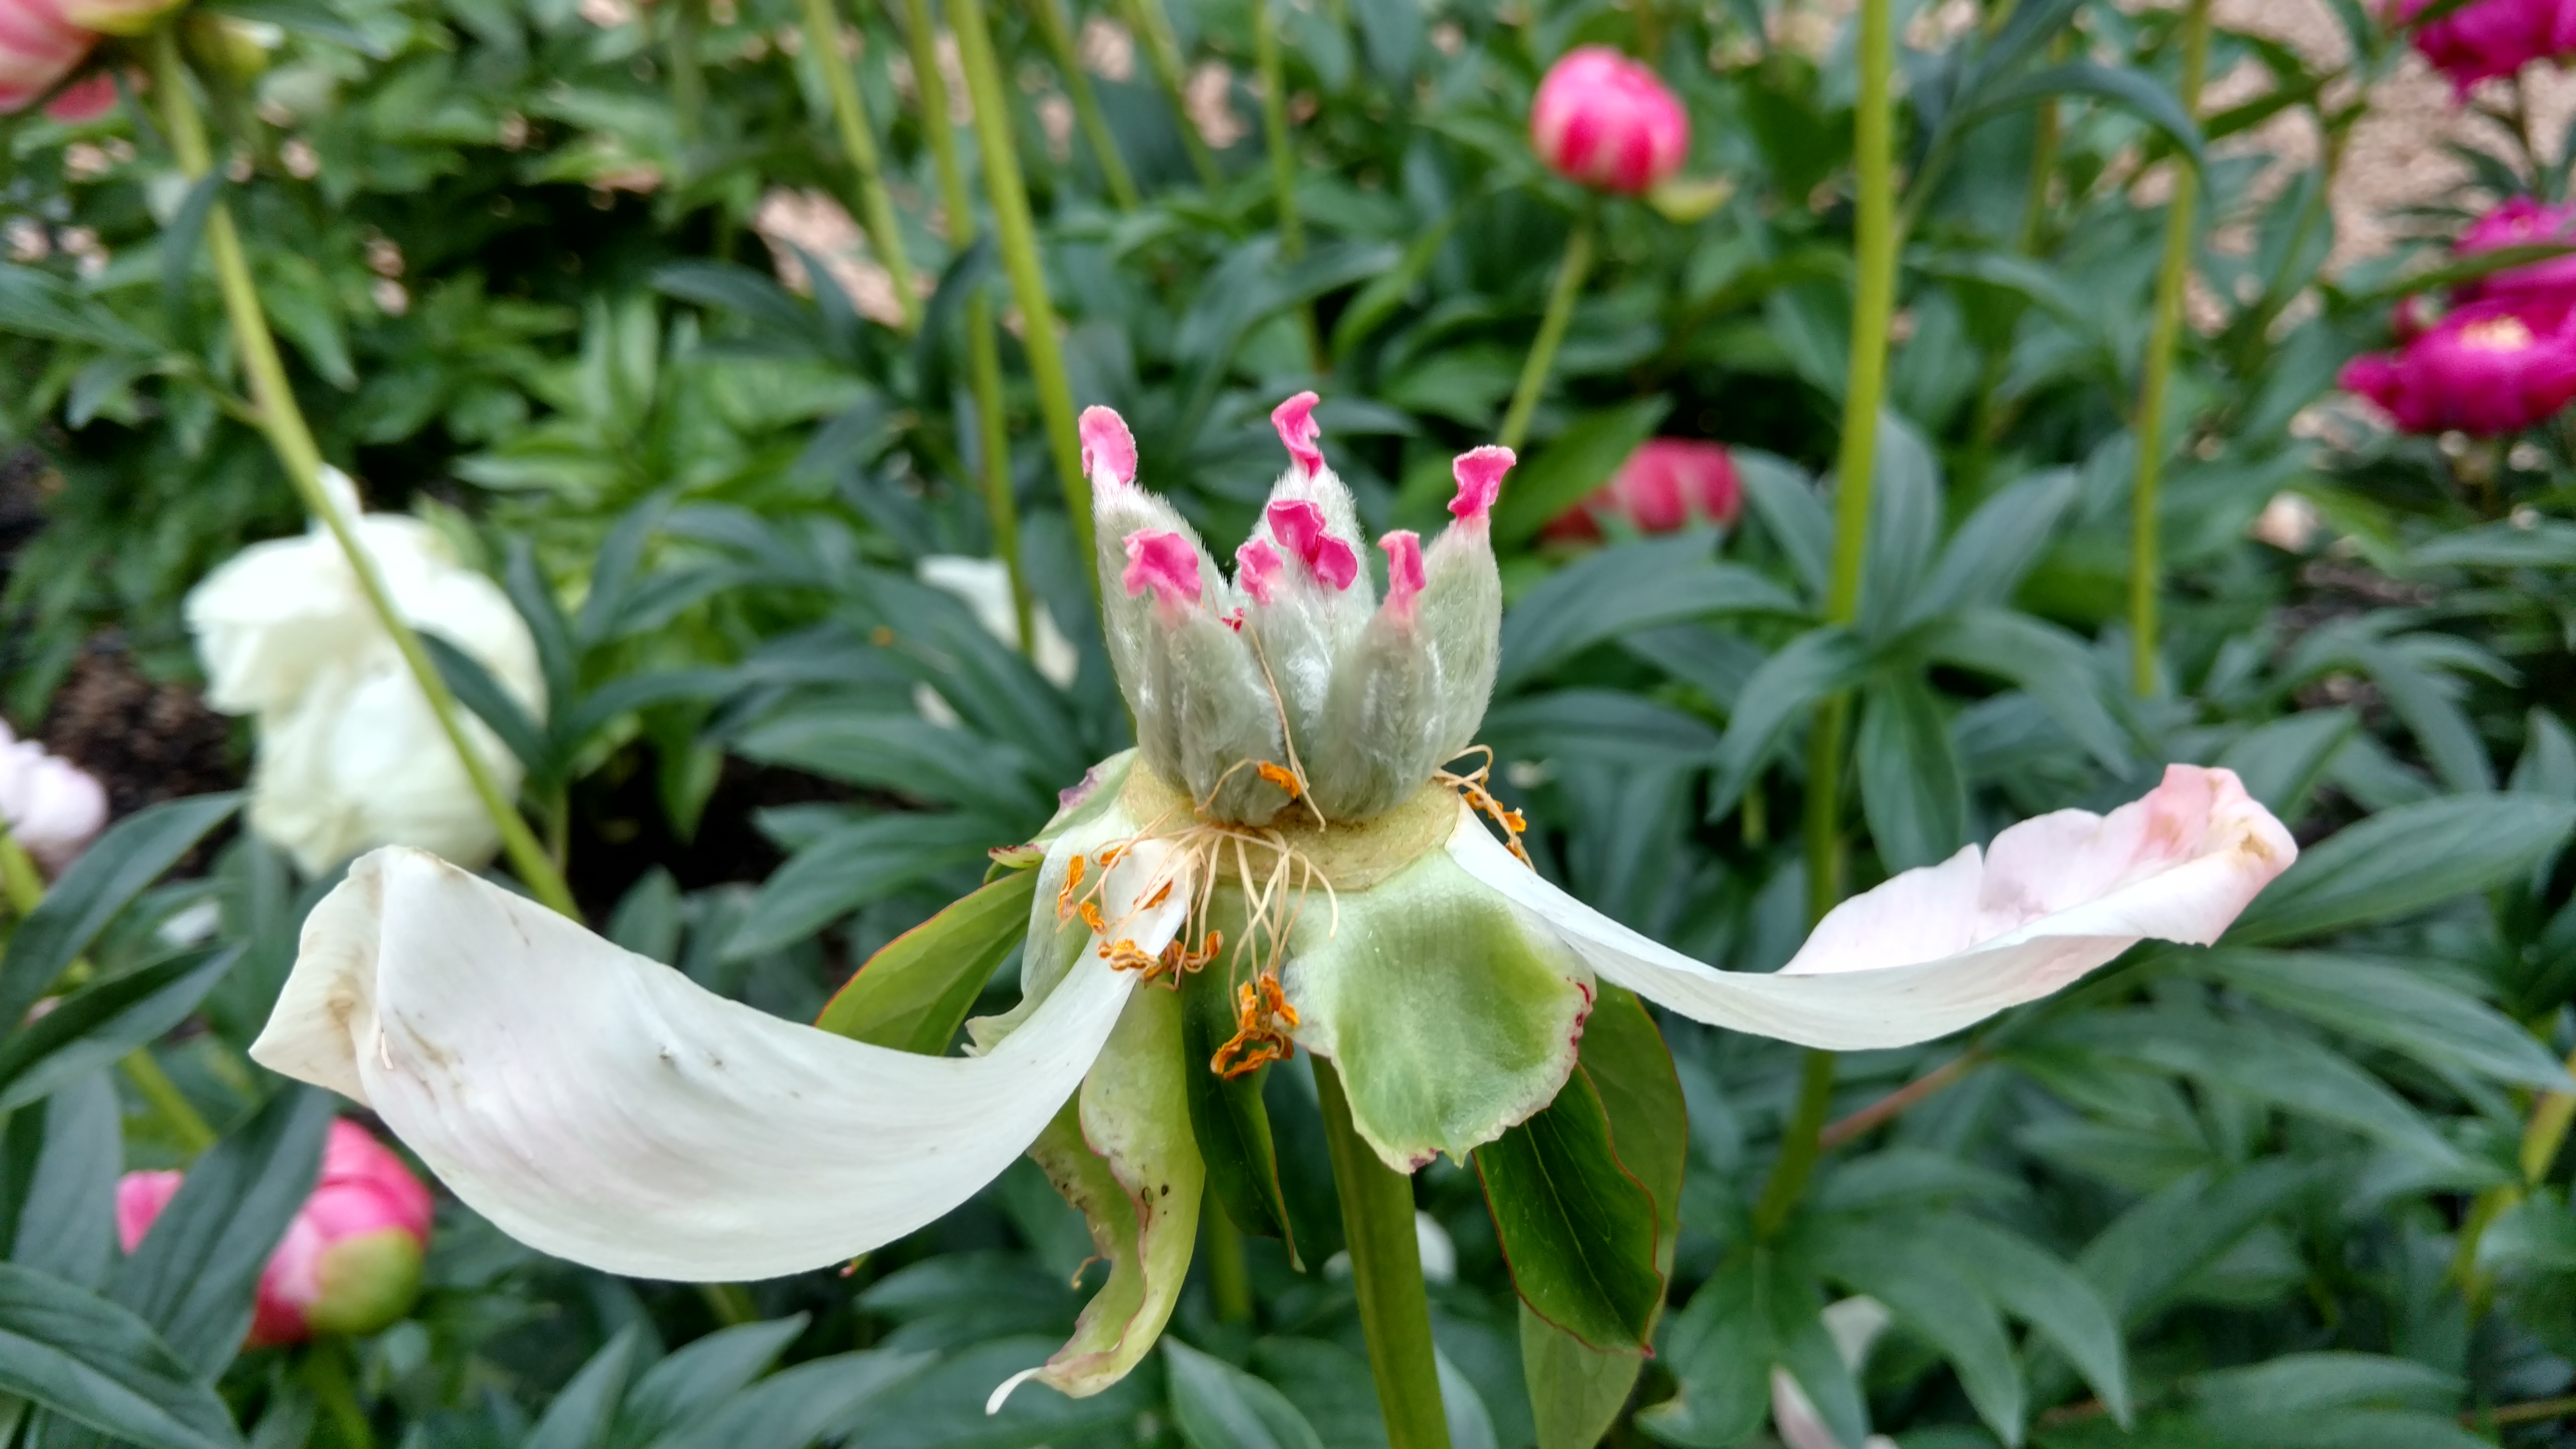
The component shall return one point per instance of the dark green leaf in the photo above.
(696, 1380)
(797, 1406)
(112, 872)
(1817, 663)
(1621, 590)
(179, 243)
(1939, 1304)
(104, 1020)
(2051, 1296)
(580, 1416)
(2394, 1005)
(1227, 1115)
(914, 993)
(851, 866)
(2402, 861)
(93, 1361)
(1219, 1406)
(1576, 1225)
(1913, 789)
(478, 691)
(63, 1165)
(2127, 89)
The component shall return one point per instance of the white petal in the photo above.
(604, 1108)
(1940, 948)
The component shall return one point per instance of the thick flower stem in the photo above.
(1570, 272)
(2155, 383)
(292, 440)
(1018, 232)
(1086, 102)
(859, 143)
(983, 349)
(22, 886)
(1873, 307)
(1386, 1269)
(326, 1373)
(1229, 1277)
(1153, 31)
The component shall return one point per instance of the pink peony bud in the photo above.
(1665, 486)
(52, 807)
(2492, 37)
(38, 47)
(2522, 222)
(2485, 368)
(84, 100)
(1606, 121)
(350, 1262)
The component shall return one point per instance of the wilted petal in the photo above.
(606, 1109)
(1945, 946)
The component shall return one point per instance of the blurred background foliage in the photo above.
(578, 284)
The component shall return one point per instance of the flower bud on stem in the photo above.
(293, 443)
(1386, 1270)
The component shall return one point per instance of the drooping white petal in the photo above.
(1940, 948)
(604, 1108)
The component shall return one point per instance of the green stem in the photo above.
(1229, 1279)
(20, 882)
(1386, 1271)
(326, 1373)
(859, 143)
(1018, 233)
(1086, 102)
(2145, 571)
(983, 349)
(293, 443)
(688, 76)
(1570, 272)
(1283, 161)
(1873, 306)
(168, 1102)
(1153, 31)
(730, 1303)
(2043, 166)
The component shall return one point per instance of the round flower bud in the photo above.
(350, 1261)
(1667, 485)
(38, 47)
(1606, 121)
(52, 806)
(2485, 368)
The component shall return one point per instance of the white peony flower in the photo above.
(51, 806)
(350, 754)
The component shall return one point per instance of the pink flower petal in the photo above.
(1106, 443)
(1163, 562)
(1479, 472)
(1295, 420)
(1404, 572)
(1256, 569)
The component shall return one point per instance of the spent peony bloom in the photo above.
(2488, 367)
(350, 754)
(1667, 485)
(51, 806)
(350, 1261)
(38, 47)
(985, 586)
(1608, 122)
(1285, 849)
(2522, 222)
(2491, 38)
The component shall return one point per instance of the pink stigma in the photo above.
(1106, 443)
(1164, 562)
(1403, 568)
(1256, 569)
(1479, 472)
(1295, 420)
(1299, 527)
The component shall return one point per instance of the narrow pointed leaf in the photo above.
(914, 993)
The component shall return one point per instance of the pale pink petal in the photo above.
(1107, 445)
(1163, 562)
(1479, 472)
(1295, 420)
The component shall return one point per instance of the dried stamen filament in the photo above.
(1263, 1018)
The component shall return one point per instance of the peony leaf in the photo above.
(914, 993)
(1577, 1226)
(1227, 1115)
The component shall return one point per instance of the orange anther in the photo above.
(1279, 777)
(1091, 917)
(1157, 898)
(1263, 1019)
(1064, 897)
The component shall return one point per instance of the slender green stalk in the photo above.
(1873, 307)
(21, 884)
(1018, 233)
(1570, 271)
(1086, 102)
(1386, 1270)
(859, 143)
(983, 349)
(688, 74)
(293, 443)
(1283, 161)
(2145, 570)
(1229, 1279)
(2044, 142)
(326, 1373)
(1153, 31)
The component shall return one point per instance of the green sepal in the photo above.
(1576, 1391)
(914, 994)
(1227, 1116)
(1577, 1227)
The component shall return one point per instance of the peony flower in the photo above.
(1666, 485)
(1854, 1324)
(1284, 848)
(350, 1261)
(2492, 37)
(2485, 368)
(84, 100)
(350, 754)
(2522, 222)
(38, 47)
(51, 806)
(1606, 121)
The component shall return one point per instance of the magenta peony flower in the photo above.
(350, 1262)
(38, 47)
(52, 807)
(2522, 222)
(2491, 38)
(1665, 486)
(2485, 368)
(1607, 121)
(86, 99)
